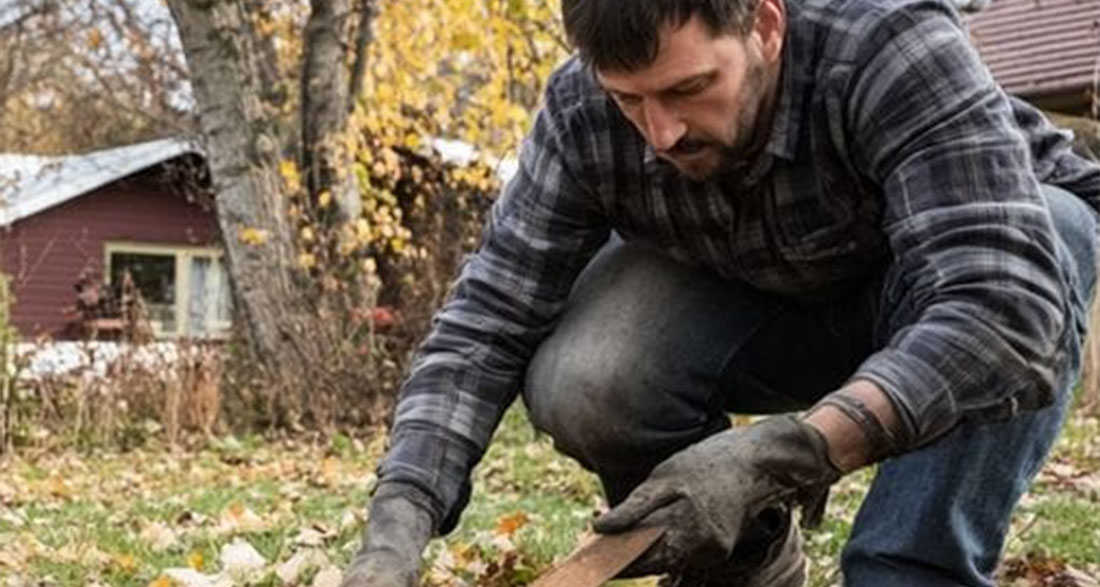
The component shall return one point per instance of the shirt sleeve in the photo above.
(976, 306)
(544, 228)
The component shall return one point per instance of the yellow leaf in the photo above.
(58, 487)
(507, 525)
(253, 236)
(306, 234)
(125, 562)
(370, 265)
(236, 510)
(324, 199)
(162, 581)
(291, 177)
(466, 41)
(95, 39)
(195, 560)
(412, 140)
(307, 261)
(391, 160)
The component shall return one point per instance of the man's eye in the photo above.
(627, 99)
(690, 89)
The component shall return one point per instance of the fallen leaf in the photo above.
(189, 518)
(195, 560)
(1078, 578)
(240, 559)
(193, 578)
(13, 518)
(328, 577)
(158, 536)
(124, 562)
(507, 525)
(239, 519)
(86, 555)
(292, 569)
(313, 536)
(58, 487)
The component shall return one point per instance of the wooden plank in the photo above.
(600, 560)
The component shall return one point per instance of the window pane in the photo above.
(208, 307)
(197, 322)
(154, 277)
(221, 295)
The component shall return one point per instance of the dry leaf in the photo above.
(315, 535)
(1078, 578)
(239, 519)
(292, 569)
(328, 577)
(193, 578)
(195, 560)
(158, 536)
(58, 487)
(240, 559)
(124, 562)
(507, 525)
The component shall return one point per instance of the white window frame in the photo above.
(183, 255)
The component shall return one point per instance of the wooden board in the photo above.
(600, 560)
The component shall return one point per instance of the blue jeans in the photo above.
(650, 356)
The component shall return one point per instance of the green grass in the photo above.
(81, 518)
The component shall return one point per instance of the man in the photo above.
(821, 204)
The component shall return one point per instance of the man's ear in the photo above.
(769, 29)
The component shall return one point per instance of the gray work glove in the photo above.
(398, 529)
(707, 494)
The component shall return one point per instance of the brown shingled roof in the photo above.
(1040, 47)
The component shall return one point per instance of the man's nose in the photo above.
(662, 125)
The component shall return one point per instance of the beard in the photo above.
(702, 158)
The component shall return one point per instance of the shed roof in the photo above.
(30, 184)
(1040, 47)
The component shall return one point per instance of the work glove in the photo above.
(708, 494)
(398, 529)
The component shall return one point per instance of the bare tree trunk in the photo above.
(288, 338)
(324, 111)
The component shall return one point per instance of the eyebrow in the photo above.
(679, 84)
(692, 80)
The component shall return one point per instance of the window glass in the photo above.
(207, 297)
(154, 276)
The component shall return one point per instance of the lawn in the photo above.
(288, 511)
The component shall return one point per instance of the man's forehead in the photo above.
(685, 52)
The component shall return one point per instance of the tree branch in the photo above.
(363, 37)
(324, 98)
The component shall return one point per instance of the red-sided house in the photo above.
(94, 218)
(1046, 51)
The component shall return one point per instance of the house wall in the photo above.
(45, 254)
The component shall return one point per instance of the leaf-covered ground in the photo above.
(289, 512)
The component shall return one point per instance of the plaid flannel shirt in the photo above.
(891, 146)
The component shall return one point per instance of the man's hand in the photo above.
(397, 532)
(706, 494)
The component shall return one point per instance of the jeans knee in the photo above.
(1076, 226)
(603, 402)
(573, 393)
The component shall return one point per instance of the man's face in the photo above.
(700, 103)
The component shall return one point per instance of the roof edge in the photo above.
(77, 175)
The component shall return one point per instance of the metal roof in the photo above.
(1040, 47)
(30, 184)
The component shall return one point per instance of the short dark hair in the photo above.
(623, 34)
